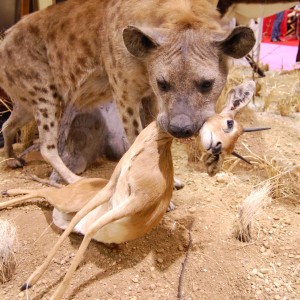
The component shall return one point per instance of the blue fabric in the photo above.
(276, 26)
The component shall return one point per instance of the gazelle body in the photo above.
(132, 202)
(143, 177)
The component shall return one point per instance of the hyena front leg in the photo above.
(18, 118)
(46, 112)
(128, 92)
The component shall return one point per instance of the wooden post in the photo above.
(25, 7)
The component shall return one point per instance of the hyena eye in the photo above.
(205, 86)
(230, 124)
(163, 85)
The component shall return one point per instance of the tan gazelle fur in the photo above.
(126, 207)
(220, 132)
(84, 53)
(137, 195)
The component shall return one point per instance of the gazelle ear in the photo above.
(238, 97)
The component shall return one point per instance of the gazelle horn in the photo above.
(241, 157)
(256, 129)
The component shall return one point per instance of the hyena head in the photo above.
(187, 70)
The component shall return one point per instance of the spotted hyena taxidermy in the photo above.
(171, 52)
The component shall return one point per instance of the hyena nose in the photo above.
(181, 126)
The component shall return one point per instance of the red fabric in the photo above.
(268, 24)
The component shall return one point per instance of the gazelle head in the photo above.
(220, 132)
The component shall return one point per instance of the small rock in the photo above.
(266, 244)
(21, 295)
(260, 275)
(287, 221)
(277, 297)
(221, 178)
(192, 210)
(264, 271)
(277, 284)
(254, 272)
(160, 260)
(135, 280)
(276, 218)
(180, 248)
(262, 249)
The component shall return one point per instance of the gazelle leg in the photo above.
(14, 192)
(15, 201)
(121, 211)
(103, 196)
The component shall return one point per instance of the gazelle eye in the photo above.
(163, 85)
(230, 124)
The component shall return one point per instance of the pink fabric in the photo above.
(278, 56)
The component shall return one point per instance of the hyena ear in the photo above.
(141, 41)
(238, 43)
(238, 97)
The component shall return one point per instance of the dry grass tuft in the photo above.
(250, 208)
(280, 91)
(8, 245)
(284, 176)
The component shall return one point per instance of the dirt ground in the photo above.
(218, 265)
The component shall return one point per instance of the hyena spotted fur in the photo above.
(171, 52)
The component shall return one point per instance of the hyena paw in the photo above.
(177, 184)
(14, 163)
(171, 207)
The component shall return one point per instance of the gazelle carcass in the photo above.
(135, 198)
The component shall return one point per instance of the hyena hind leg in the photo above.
(18, 118)
(46, 115)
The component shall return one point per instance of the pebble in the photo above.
(160, 260)
(277, 297)
(254, 272)
(135, 280)
(192, 210)
(180, 248)
(152, 287)
(262, 249)
(264, 271)
(277, 284)
(260, 275)
(20, 295)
